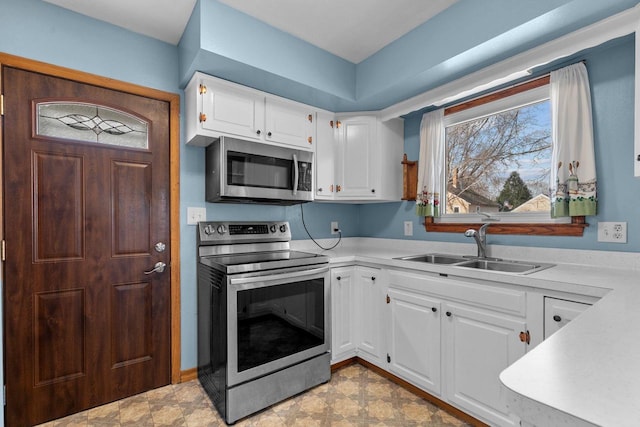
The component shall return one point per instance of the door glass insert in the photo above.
(278, 321)
(92, 123)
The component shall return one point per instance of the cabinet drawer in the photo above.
(500, 299)
(559, 312)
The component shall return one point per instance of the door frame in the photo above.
(174, 171)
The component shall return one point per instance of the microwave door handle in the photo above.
(296, 174)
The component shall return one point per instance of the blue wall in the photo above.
(40, 31)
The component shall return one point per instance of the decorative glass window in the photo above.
(91, 123)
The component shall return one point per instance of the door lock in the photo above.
(160, 247)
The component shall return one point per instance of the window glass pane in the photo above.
(500, 162)
(91, 123)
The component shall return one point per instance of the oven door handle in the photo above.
(278, 276)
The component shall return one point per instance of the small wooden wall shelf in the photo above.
(409, 178)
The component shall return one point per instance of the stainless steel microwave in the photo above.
(241, 171)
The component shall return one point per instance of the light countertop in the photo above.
(588, 373)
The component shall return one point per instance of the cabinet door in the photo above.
(478, 346)
(370, 320)
(559, 312)
(358, 155)
(414, 346)
(290, 123)
(232, 110)
(342, 314)
(325, 156)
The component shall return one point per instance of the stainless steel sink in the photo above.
(434, 258)
(489, 264)
(504, 266)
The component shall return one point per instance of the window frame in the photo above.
(522, 94)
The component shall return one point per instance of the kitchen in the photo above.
(41, 31)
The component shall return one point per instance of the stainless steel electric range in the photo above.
(263, 316)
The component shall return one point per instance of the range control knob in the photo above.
(273, 228)
(283, 228)
(208, 230)
(221, 229)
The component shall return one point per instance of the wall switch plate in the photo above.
(612, 232)
(408, 228)
(334, 227)
(196, 215)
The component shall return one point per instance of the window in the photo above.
(498, 158)
(497, 163)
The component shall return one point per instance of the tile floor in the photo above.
(355, 396)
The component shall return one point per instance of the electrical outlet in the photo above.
(196, 215)
(408, 228)
(334, 227)
(612, 232)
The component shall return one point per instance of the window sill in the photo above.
(575, 229)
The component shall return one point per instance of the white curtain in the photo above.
(573, 170)
(431, 164)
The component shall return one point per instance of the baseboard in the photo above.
(188, 375)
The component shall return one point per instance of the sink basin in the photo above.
(489, 264)
(434, 258)
(504, 266)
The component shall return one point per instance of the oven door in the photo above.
(276, 320)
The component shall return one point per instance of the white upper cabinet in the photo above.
(362, 162)
(290, 123)
(325, 156)
(215, 108)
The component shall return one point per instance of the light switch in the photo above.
(196, 215)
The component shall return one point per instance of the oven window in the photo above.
(250, 170)
(279, 321)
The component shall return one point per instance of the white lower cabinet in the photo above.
(452, 338)
(343, 325)
(477, 346)
(558, 312)
(370, 297)
(414, 339)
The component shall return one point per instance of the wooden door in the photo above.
(86, 190)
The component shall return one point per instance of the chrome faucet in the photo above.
(480, 237)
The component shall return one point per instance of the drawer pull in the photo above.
(434, 309)
(557, 318)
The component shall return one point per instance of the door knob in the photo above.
(157, 268)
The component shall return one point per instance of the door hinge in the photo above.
(1, 105)
(3, 251)
(525, 337)
(4, 395)
(388, 358)
(202, 89)
(388, 299)
(310, 118)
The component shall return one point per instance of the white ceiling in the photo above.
(351, 29)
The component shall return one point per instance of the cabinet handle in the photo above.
(373, 190)
(434, 309)
(258, 132)
(268, 133)
(557, 318)
(638, 157)
(448, 313)
(373, 278)
(338, 278)
(320, 190)
(203, 117)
